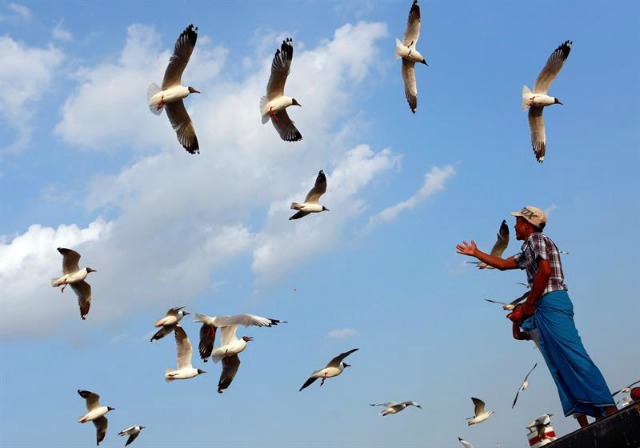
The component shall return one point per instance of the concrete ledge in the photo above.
(620, 430)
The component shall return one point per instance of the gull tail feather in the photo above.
(295, 206)
(153, 105)
(526, 97)
(398, 52)
(265, 117)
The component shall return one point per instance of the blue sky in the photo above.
(83, 164)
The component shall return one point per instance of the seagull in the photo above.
(95, 414)
(540, 424)
(407, 51)
(394, 408)
(310, 204)
(132, 432)
(502, 241)
(274, 104)
(464, 443)
(625, 390)
(230, 344)
(169, 322)
(524, 385)
(74, 276)
(536, 101)
(185, 353)
(511, 305)
(333, 368)
(172, 92)
(480, 414)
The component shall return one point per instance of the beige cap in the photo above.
(532, 214)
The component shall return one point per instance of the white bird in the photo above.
(502, 241)
(132, 432)
(410, 55)
(539, 425)
(95, 414)
(510, 305)
(524, 385)
(185, 354)
(75, 277)
(274, 104)
(230, 345)
(169, 322)
(172, 92)
(537, 100)
(393, 408)
(464, 443)
(310, 204)
(334, 368)
(626, 389)
(480, 414)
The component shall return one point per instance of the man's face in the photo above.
(521, 227)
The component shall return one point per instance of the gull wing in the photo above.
(83, 291)
(412, 32)
(182, 124)
(335, 362)
(309, 382)
(318, 189)
(92, 399)
(410, 87)
(207, 338)
(502, 240)
(286, 127)
(464, 443)
(185, 351)
(478, 405)
(538, 134)
(162, 332)
(552, 67)
(180, 57)
(625, 388)
(131, 438)
(70, 260)
(495, 301)
(388, 404)
(246, 320)
(228, 335)
(101, 424)
(280, 70)
(229, 369)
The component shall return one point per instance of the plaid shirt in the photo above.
(540, 246)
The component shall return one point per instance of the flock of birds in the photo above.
(273, 106)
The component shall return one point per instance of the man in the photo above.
(548, 315)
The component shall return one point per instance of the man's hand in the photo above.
(521, 312)
(466, 248)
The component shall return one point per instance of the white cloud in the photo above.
(29, 71)
(342, 333)
(109, 110)
(20, 10)
(434, 181)
(177, 219)
(61, 33)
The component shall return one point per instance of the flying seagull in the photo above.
(333, 368)
(625, 389)
(407, 51)
(464, 443)
(511, 305)
(185, 354)
(95, 413)
(132, 432)
(310, 204)
(172, 92)
(523, 386)
(480, 414)
(393, 407)
(169, 322)
(230, 345)
(274, 104)
(537, 100)
(502, 241)
(75, 277)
